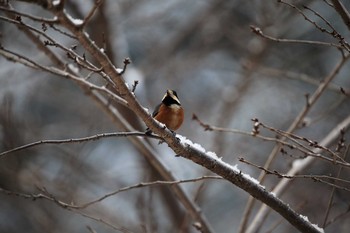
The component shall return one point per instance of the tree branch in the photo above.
(79, 140)
(298, 166)
(339, 7)
(184, 149)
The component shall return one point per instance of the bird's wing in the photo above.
(156, 110)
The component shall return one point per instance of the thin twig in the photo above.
(70, 207)
(126, 62)
(296, 168)
(32, 17)
(44, 194)
(319, 178)
(148, 184)
(136, 82)
(92, 12)
(331, 195)
(343, 12)
(332, 33)
(302, 148)
(259, 32)
(80, 140)
(294, 138)
(53, 70)
(81, 61)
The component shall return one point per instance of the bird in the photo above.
(169, 111)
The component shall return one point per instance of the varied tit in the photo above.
(169, 111)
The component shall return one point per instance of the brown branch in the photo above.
(339, 7)
(147, 184)
(92, 12)
(319, 178)
(126, 62)
(143, 146)
(311, 143)
(298, 146)
(184, 149)
(332, 33)
(32, 17)
(259, 32)
(331, 196)
(79, 140)
(298, 119)
(74, 207)
(43, 3)
(47, 196)
(28, 62)
(297, 167)
(133, 89)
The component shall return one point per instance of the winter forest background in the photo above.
(284, 64)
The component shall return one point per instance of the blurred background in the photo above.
(222, 72)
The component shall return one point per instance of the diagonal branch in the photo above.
(259, 32)
(79, 140)
(183, 148)
(343, 12)
(151, 155)
(298, 166)
(92, 12)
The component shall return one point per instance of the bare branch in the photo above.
(79, 140)
(74, 207)
(26, 61)
(92, 12)
(299, 166)
(334, 159)
(126, 62)
(136, 82)
(331, 196)
(345, 15)
(184, 149)
(332, 33)
(319, 178)
(147, 184)
(259, 32)
(47, 196)
(32, 17)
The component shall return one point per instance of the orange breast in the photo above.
(172, 116)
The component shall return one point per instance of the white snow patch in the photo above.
(247, 176)
(235, 168)
(252, 179)
(147, 110)
(119, 70)
(76, 22)
(56, 2)
(298, 163)
(213, 155)
(304, 217)
(161, 124)
(320, 229)
(186, 141)
(314, 225)
(73, 68)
